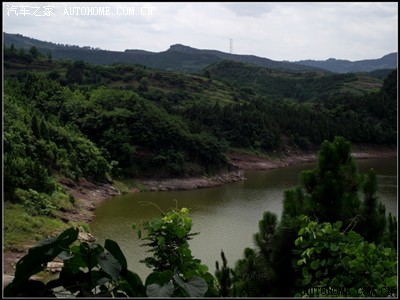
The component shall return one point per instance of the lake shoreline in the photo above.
(244, 162)
(89, 195)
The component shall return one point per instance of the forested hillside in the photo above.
(70, 120)
(75, 119)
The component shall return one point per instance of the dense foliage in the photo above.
(329, 257)
(306, 249)
(90, 269)
(175, 271)
(82, 124)
(74, 120)
(262, 121)
(54, 126)
(300, 255)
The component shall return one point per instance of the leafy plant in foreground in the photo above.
(175, 271)
(88, 270)
(328, 257)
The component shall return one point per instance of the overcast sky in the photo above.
(276, 30)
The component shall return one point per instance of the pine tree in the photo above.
(373, 219)
(35, 127)
(390, 237)
(331, 191)
(223, 275)
(44, 130)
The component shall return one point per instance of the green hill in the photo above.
(298, 86)
(177, 58)
(76, 119)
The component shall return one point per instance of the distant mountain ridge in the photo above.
(256, 60)
(183, 58)
(388, 61)
(177, 58)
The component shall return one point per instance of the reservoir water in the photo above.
(226, 217)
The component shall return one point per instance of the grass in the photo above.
(123, 186)
(20, 228)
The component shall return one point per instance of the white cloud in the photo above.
(276, 30)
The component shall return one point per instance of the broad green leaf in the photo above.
(180, 232)
(353, 236)
(67, 237)
(88, 256)
(202, 268)
(298, 241)
(186, 252)
(74, 264)
(164, 276)
(314, 265)
(96, 248)
(338, 225)
(109, 264)
(156, 290)
(152, 278)
(133, 279)
(45, 251)
(195, 287)
(155, 224)
(334, 247)
(328, 228)
(115, 250)
(309, 252)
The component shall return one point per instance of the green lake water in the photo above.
(226, 217)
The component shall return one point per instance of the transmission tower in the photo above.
(230, 46)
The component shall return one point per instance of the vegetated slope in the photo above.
(115, 108)
(135, 121)
(298, 86)
(388, 61)
(74, 120)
